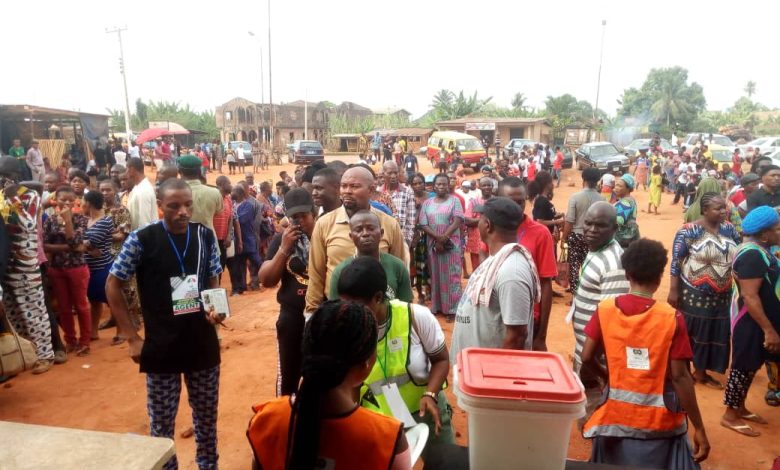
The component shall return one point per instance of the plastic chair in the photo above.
(417, 437)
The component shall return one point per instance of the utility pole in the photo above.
(262, 91)
(306, 114)
(270, 80)
(601, 58)
(122, 70)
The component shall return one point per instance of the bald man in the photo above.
(331, 243)
(403, 200)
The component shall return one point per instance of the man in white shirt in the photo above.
(142, 201)
(466, 192)
(134, 151)
(120, 156)
(682, 178)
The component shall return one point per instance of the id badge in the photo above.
(397, 406)
(638, 358)
(185, 296)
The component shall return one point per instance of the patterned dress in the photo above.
(23, 290)
(421, 277)
(445, 268)
(702, 261)
(121, 217)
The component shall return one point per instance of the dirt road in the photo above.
(105, 392)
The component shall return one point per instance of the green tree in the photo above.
(166, 111)
(750, 88)
(448, 105)
(664, 99)
(518, 101)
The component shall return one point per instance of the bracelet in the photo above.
(432, 396)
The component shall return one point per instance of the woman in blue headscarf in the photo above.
(626, 209)
(755, 315)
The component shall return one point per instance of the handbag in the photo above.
(563, 269)
(17, 354)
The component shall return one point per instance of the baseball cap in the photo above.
(296, 201)
(487, 168)
(501, 212)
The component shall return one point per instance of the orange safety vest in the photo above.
(361, 439)
(637, 349)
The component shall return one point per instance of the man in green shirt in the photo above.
(365, 230)
(18, 152)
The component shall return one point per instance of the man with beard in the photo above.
(331, 243)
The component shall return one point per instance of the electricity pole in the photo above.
(122, 70)
(262, 92)
(270, 80)
(601, 58)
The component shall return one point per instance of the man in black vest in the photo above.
(173, 261)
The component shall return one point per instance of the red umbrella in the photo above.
(155, 132)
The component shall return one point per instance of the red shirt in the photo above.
(166, 151)
(631, 304)
(531, 170)
(558, 164)
(736, 164)
(204, 160)
(222, 218)
(537, 239)
(462, 201)
(738, 197)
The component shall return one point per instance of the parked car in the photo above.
(633, 148)
(246, 146)
(516, 145)
(306, 151)
(775, 156)
(568, 157)
(765, 144)
(709, 139)
(601, 155)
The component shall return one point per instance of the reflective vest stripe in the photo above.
(637, 350)
(637, 398)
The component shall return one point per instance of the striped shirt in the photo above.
(602, 277)
(99, 236)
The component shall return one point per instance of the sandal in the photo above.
(116, 341)
(83, 351)
(743, 429)
(771, 398)
(754, 418)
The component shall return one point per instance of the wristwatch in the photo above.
(432, 396)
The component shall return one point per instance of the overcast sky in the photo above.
(379, 53)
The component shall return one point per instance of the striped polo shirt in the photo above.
(602, 277)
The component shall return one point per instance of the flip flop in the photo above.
(771, 398)
(743, 429)
(752, 417)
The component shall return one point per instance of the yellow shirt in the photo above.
(330, 245)
(206, 203)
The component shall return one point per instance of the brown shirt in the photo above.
(330, 245)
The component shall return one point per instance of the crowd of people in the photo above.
(349, 246)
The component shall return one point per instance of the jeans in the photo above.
(70, 289)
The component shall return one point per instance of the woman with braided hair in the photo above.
(323, 422)
(701, 284)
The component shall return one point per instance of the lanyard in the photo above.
(589, 257)
(383, 364)
(179, 256)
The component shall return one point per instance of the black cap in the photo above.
(501, 212)
(296, 201)
(748, 178)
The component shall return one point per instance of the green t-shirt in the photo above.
(17, 152)
(399, 286)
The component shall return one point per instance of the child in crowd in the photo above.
(690, 190)
(656, 189)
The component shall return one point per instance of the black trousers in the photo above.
(289, 334)
(678, 193)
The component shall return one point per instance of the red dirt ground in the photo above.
(105, 392)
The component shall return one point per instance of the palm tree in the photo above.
(442, 103)
(518, 102)
(671, 103)
(750, 88)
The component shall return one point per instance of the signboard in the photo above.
(480, 126)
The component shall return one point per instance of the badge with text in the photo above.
(395, 344)
(638, 358)
(185, 295)
(397, 406)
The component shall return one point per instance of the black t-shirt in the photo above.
(544, 210)
(761, 197)
(292, 293)
(410, 163)
(749, 353)
(174, 343)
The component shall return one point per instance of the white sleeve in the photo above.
(428, 329)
